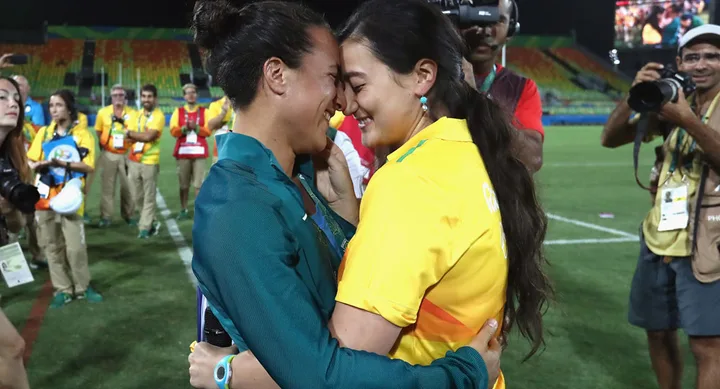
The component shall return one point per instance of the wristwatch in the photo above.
(223, 372)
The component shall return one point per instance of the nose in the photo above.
(340, 100)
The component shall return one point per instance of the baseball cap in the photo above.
(704, 30)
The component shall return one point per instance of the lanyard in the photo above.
(148, 117)
(487, 83)
(337, 232)
(693, 144)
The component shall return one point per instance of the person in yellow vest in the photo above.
(677, 277)
(221, 117)
(111, 124)
(189, 125)
(62, 154)
(144, 131)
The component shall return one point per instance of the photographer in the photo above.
(12, 153)
(677, 280)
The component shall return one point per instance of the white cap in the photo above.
(705, 29)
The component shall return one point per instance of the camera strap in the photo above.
(640, 134)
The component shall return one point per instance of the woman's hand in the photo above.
(5, 207)
(489, 348)
(5, 61)
(203, 360)
(57, 163)
(334, 182)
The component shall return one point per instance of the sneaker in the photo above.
(144, 234)
(155, 229)
(104, 223)
(183, 215)
(132, 222)
(60, 299)
(87, 220)
(90, 295)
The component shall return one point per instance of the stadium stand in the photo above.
(163, 58)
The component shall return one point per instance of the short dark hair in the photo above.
(238, 41)
(149, 88)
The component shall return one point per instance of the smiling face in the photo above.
(386, 106)
(312, 92)
(9, 104)
(702, 62)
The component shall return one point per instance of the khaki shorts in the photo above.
(191, 171)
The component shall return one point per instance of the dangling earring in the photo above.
(423, 102)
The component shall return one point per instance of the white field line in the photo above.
(591, 226)
(184, 250)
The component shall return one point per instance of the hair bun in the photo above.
(213, 21)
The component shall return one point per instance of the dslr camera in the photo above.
(21, 195)
(468, 13)
(651, 96)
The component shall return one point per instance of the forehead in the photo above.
(147, 93)
(7, 85)
(357, 57)
(325, 51)
(702, 47)
(57, 100)
(505, 7)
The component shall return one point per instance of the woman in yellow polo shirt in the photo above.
(61, 152)
(451, 230)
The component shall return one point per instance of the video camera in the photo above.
(21, 195)
(468, 13)
(651, 96)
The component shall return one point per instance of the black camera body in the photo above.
(651, 96)
(466, 14)
(21, 195)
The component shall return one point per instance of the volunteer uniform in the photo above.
(429, 254)
(191, 147)
(66, 248)
(215, 110)
(114, 145)
(143, 168)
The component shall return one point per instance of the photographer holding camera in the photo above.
(677, 280)
(15, 195)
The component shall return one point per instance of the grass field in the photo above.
(138, 337)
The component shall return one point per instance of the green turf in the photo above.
(138, 338)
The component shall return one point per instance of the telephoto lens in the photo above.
(651, 96)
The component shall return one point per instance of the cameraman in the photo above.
(677, 280)
(12, 150)
(517, 94)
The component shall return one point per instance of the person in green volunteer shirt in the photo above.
(261, 256)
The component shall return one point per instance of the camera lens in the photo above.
(651, 96)
(24, 197)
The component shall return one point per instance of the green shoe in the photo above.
(183, 215)
(144, 234)
(132, 222)
(60, 300)
(90, 295)
(155, 229)
(104, 223)
(87, 220)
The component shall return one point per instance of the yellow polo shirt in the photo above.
(82, 137)
(106, 128)
(140, 122)
(429, 254)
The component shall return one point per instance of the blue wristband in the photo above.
(223, 372)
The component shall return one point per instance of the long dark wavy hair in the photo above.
(402, 32)
(14, 145)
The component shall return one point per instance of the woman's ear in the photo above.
(425, 75)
